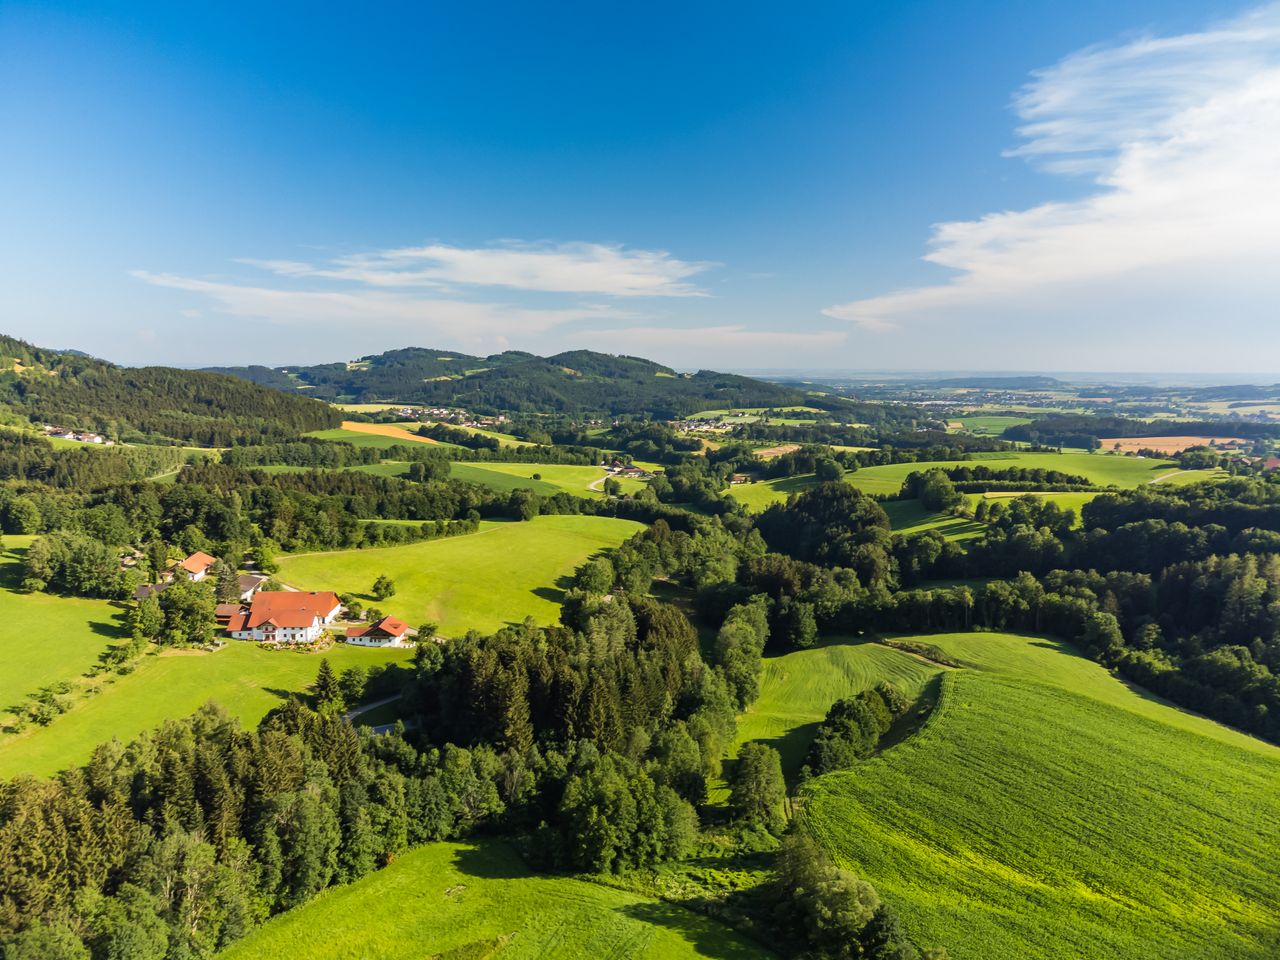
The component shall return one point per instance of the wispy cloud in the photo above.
(726, 336)
(1182, 137)
(582, 268)
(454, 321)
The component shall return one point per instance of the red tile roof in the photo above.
(198, 562)
(225, 610)
(388, 626)
(286, 608)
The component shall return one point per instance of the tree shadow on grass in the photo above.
(494, 860)
(708, 937)
(792, 746)
(554, 594)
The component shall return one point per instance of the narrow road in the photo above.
(366, 707)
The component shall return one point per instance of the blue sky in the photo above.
(726, 185)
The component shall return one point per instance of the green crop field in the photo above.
(459, 901)
(909, 516)
(797, 689)
(990, 426)
(1046, 810)
(1102, 469)
(241, 676)
(46, 638)
(556, 477)
(480, 581)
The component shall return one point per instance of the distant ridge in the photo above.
(576, 382)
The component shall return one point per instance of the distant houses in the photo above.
(79, 436)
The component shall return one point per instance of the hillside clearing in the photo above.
(480, 901)
(480, 581)
(47, 638)
(241, 676)
(1046, 810)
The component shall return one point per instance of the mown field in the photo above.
(989, 425)
(241, 676)
(910, 516)
(377, 435)
(462, 901)
(45, 638)
(1046, 810)
(480, 581)
(555, 477)
(798, 688)
(1101, 469)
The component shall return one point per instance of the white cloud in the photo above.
(1182, 137)
(583, 268)
(457, 322)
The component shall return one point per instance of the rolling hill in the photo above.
(578, 381)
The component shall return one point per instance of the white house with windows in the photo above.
(284, 616)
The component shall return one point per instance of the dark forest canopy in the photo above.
(578, 381)
(149, 404)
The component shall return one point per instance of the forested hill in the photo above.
(148, 404)
(579, 381)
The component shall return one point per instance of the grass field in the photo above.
(990, 425)
(1104, 470)
(1046, 810)
(45, 639)
(480, 581)
(909, 516)
(504, 439)
(797, 689)
(241, 676)
(377, 435)
(463, 901)
(556, 477)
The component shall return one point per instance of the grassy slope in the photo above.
(797, 689)
(909, 516)
(502, 574)
(504, 477)
(244, 678)
(1102, 469)
(1046, 810)
(480, 901)
(45, 638)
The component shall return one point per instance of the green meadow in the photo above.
(798, 688)
(989, 425)
(46, 638)
(502, 574)
(504, 477)
(359, 439)
(461, 901)
(241, 676)
(910, 516)
(1047, 810)
(1101, 469)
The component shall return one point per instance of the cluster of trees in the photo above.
(981, 479)
(151, 404)
(1084, 431)
(180, 842)
(31, 458)
(853, 727)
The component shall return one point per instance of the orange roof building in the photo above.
(386, 632)
(285, 616)
(198, 565)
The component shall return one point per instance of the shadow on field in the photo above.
(490, 861)
(708, 938)
(793, 746)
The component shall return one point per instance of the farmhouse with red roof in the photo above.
(387, 632)
(283, 616)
